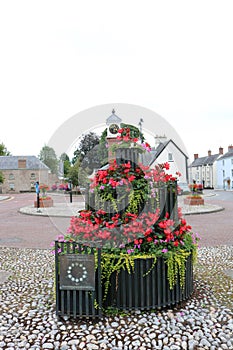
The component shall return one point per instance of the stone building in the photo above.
(21, 172)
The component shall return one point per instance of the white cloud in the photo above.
(59, 58)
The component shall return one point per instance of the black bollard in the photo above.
(70, 196)
(37, 195)
(38, 200)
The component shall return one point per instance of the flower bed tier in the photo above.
(44, 203)
(148, 286)
(193, 201)
(123, 282)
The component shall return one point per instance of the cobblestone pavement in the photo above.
(27, 312)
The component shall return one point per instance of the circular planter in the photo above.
(44, 203)
(193, 201)
(148, 287)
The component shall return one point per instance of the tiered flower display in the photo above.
(138, 229)
(131, 214)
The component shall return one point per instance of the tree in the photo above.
(77, 175)
(87, 152)
(66, 163)
(3, 150)
(102, 149)
(48, 157)
(1, 178)
(73, 174)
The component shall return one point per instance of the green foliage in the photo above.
(134, 131)
(66, 168)
(102, 149)
(48, 157)
(3, 150)
(176, 263)
(78, 175)
(87, 152)
(111, 263)
(73, 174)
(134, 189)
(1, 177)
(136, 200)
(66, 163)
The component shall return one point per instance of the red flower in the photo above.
(101, 212)
(127, 165)
(131, 178)
(148, 232)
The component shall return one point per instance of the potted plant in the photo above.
(195, 198)
(147, 247)
(45, 201)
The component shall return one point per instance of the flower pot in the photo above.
(193, 201)
(44, 203)
(148, 286)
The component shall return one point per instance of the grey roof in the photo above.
(204, 160)
(228, 154)
(149, 158)
(113, 118)
(11, 162)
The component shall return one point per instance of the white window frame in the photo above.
(170, 157)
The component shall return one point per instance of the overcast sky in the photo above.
(59, 58)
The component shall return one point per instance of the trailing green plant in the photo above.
(176, 263)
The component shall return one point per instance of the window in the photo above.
(11, 176)
(223, 173)
(231, 160)
(223, 162)
(33, 175)
(231, 172)
(12, 186)
(170, 157)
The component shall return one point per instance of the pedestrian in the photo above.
(37, 186)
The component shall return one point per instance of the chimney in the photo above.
(195, 156)
(220, 150)
(209, 153)
(160, 139)
(230, 148)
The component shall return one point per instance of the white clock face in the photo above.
(113, 128)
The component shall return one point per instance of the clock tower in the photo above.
(113, 125)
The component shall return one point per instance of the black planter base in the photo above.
(145, 291)
(146, 288)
